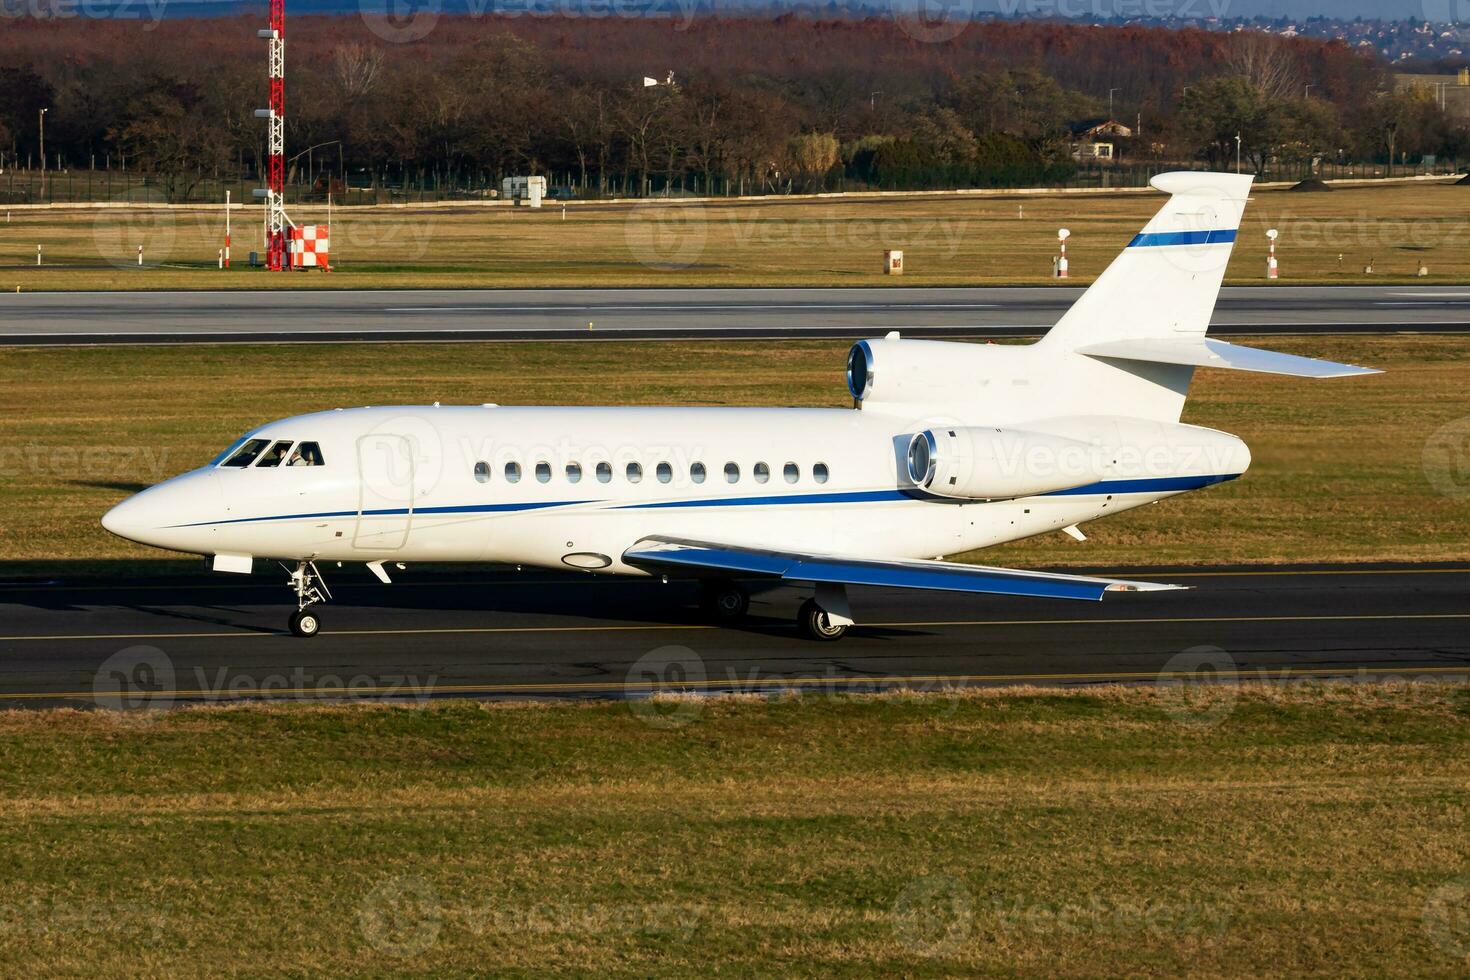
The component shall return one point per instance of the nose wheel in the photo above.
(311, 589)
(305, 623)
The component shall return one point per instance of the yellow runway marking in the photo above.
(665, 627)
(764, 683)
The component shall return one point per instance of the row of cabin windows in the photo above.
(663, 472)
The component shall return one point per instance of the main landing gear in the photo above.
(311, 589)
(825, 617)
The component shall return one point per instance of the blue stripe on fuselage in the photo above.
(1180, 484)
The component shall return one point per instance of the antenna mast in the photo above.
(277, 245)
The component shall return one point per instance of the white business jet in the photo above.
(950, 447)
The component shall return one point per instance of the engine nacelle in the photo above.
(1000, 464)
(898, 372)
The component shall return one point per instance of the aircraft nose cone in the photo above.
(122, 520)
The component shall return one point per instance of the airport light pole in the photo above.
(41, 116)
(1238, 145)
(1111, 92)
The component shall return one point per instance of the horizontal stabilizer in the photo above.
(1203, 352)
(699, 557)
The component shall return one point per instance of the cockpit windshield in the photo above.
(265, 453)
(247, 453)
(276, 454)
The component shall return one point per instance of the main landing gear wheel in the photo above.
(305, 623)
(814, 623)
(727, 602)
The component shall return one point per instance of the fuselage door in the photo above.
(385, 471)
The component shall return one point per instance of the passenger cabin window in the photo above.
(819, 472)
(762, 472)
(247, 453)
(512, 472)
(574, 472)
(543, 472)
(276, 454)
(482, 472)
(310, 454)
(635, 473)
(604, 472)
(732, 472)
(696, 472)
(792, 472)
(665, 472)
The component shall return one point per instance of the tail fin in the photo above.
(1167, 281)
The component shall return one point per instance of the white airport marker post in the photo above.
(140, 256)
(38, 255)
(1273, 271)
(1063, 271)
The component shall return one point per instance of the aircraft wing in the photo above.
(678, 556)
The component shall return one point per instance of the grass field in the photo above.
(1367, 469)
(1220, 831)
(947, 241)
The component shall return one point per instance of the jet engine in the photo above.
(1000, 464)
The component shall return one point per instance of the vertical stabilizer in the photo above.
(1166, 283)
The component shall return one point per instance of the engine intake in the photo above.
(1000, 464)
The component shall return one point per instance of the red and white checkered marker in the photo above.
(309, 247)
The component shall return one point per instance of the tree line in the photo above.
(785, 103)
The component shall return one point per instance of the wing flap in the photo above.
(674, 554)
(1202, 352)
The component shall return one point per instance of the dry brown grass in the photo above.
(1256, 830)
(947, 241)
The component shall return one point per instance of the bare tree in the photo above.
(355, 68)
(1269, 62)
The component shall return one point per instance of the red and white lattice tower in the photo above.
(277, 225)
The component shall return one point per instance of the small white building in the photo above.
(516, 189)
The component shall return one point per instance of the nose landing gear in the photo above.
(310, 588)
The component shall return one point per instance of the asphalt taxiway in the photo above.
(505, 634)
(283, 316)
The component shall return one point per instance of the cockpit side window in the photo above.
(247, 453)
(275, 455)
(307, 454)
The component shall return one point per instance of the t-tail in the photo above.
(1147, 316)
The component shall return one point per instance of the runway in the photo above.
(503, 634)
(598, 314)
